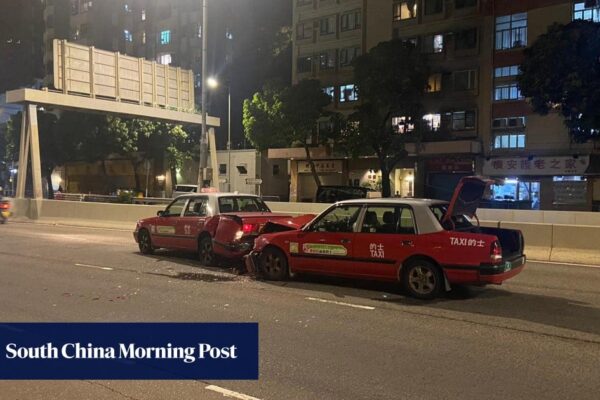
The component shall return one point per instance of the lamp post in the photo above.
(213, 83)
(203, 136)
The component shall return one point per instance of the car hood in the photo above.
(467, 197)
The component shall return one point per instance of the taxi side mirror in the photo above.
(160, 213)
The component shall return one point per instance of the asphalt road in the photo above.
(536, 337)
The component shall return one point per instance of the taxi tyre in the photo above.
(205, 251)
(422, 279)
(145, 242)
(273, 264)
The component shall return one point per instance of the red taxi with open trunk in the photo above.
(426, 245)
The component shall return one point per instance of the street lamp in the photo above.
(203, 135)
(213, 83)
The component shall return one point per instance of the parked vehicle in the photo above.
(333, 194)
(426, 245)
(214, 225)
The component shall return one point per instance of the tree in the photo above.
(287, 116)
(561, 71)
(391, 80)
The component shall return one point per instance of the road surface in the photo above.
(536, 337)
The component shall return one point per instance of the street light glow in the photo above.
(212, 82)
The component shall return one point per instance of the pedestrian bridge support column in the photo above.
(30, 145)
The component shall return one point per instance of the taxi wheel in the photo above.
(422, 279)
(145, 242)
(273, 264)
(205, 251)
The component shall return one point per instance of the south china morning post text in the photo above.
(129, 351)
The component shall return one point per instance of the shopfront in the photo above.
(443, 174)
(541, 183)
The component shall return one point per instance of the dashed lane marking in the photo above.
(95, 267)
(563, 263)
(339, 303)
(230, 393)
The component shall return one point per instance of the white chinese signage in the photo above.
(515, 166)
(322, 166)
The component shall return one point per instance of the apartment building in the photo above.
(479, 123)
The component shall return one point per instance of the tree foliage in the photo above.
(281, 116)
(93, 138)
(391, 80)
(561, 71)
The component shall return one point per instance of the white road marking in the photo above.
(94, 266)
(563, 263)
(230, 393)
(339, 303)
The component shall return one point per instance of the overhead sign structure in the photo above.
(92, 80)
(99, 73)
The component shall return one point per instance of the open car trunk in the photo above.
(465, 201)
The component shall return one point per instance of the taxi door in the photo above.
(164, 232)
(386, 238)
(327, 246)
(192, 222)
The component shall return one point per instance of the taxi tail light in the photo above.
(496, 252)
(4, 206)
(247, 229)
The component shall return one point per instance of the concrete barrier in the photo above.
(297, 208)
(76, 210)
(538, 238)
(576, 244)
(544, 241)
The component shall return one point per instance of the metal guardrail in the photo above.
(100, 198)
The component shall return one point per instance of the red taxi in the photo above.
(214, 225)
(426, 245)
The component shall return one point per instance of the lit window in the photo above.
(405, 10)
(144, 37)
(433, 122)
(348, 93)
(127, 7)
(402, 125)
(507, 92)
(165, 37)
(503, 72)
(511, 31)
(164, 58)
(589, 13)
(509, 141)
(143, 14)
(128, 36)
(433, 44)
(330, 91)
(434, 83)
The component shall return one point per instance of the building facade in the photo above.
(479, 123)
